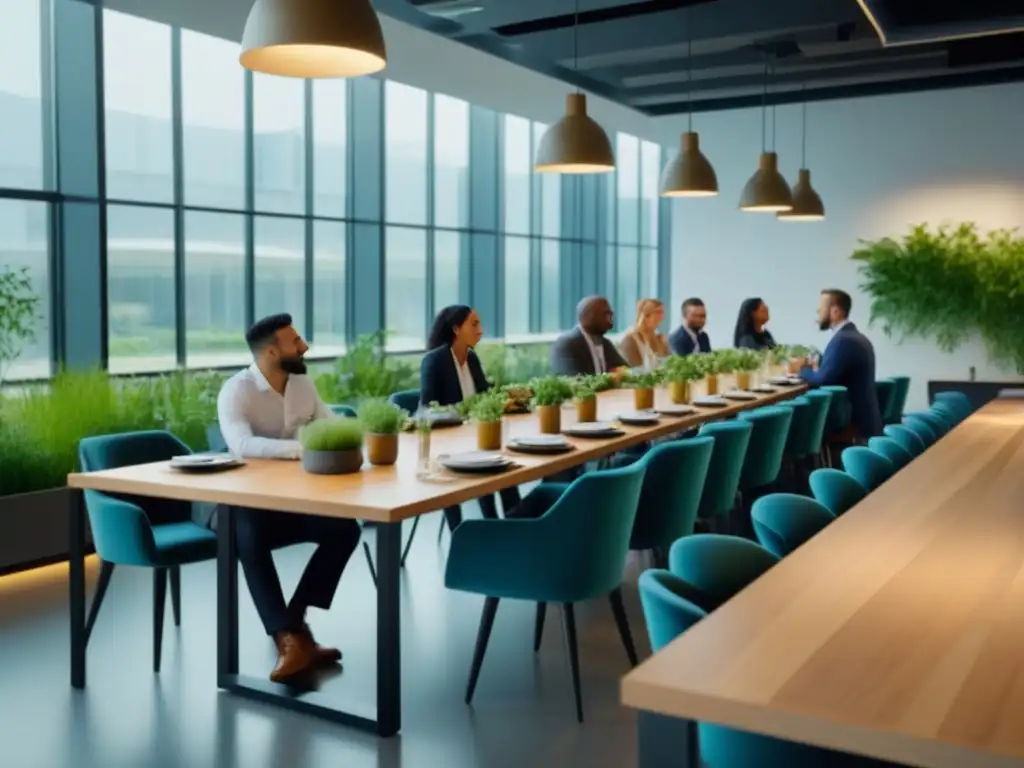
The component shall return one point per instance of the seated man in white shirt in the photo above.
(260, 410)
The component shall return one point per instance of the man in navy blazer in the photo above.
(848, 361)
(690, 337)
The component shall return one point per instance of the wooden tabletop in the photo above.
(390, 494)
(897, 632)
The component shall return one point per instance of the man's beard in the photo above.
(294, 365)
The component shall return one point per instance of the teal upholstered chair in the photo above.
(674, 475)
(343, 410)
(867, 467)
(885, 391)
(908, 438)
(784, 521)
(732, 438)
(924, 430)
(408, 400)
(215, 439)
(899, 399)
(718, 566)
(575, 551)
(946, 411)
(890, 449)
(836, 490)
(671, 606)
(939, 425)
(767, 446)
(820, 401)
(958, 401)
(145, 532)
(837, 423)
(798, 437)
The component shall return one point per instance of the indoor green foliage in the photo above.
(644, 379)
(379, 416)
(683, 368)
(506, 364)
(19, 311)
(365, 371)
(585, 387)
(748, 360)
(948, 284)
(488, 406)
(551, 390)
(337, 434)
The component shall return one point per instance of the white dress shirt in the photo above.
(596, 352)
(259, 423)
(465, 377)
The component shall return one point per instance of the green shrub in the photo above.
(337, 434)
(748, 360)
(380, 416)
(683, 368)
(19, 312)
(488, 406)
(551, 390)
(365, 371)
(644, 379)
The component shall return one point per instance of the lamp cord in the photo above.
(764, 107)
(803, 138)
(774, 133)
(689, 72)
(576, 40)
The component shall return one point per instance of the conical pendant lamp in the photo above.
(767, 190)
(689, 174)
(807, 205)
(575, 143)
(313, 38)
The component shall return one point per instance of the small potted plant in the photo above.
(708, 366)
(382, 421)
(487, 410)
(680, 372)
(584, 396)
(747, 361)
(549, 393)
(797, 354)
(332, 446)
(643, 385)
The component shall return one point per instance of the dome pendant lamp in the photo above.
(576, 143)
(807, 205)
(767, 190)
(313, 38)
(689, 174)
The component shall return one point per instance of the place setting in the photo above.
(205, 462)
(710, 401)
(540, 444)
(477, 462)
(645, 418)
(786, 381)
(740, 394)
(593, 429)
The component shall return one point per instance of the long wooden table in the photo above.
(385, 495)
(896, 633)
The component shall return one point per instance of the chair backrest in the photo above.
(668, 606)
(839, 410)
(215, 439)
(408, 400)
(885, 391)
(836, 490)
(784, 521)
(673, 484)
(938, 424)
(899, 399)
(732, 438)
(718, 566)
(921, 428)
(908, 438)
(767, 444)
(867, 467)
(820, 401)
(958, 401)
(945, 411)
(798, 441)
(126, 449)
(347, 410)
(890, 449)
(591, 525)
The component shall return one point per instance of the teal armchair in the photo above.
(145, 532)
(946, 411)
(939, 425)
(836, 490)
(890, 449)
(717, 567)
(885, 391)
(767, 444)
(785, 521)
(575, 551)
(899, 399)
(911, 441)
(408, 400)
(867, 467)
(922, 428)
(732, 438)
(957, 401)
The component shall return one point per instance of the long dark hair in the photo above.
(745, 321)
(442, 333)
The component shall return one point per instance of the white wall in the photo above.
(880, 164)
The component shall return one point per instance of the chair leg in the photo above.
(483, 635)
(538, 628)
(440, 530)
(159, 606)
(106, 571)
(408, 544)
(622, 622)
(369, 562)
(569, 624)
(176, 594)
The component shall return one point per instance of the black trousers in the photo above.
(509, 500)
(259, 532)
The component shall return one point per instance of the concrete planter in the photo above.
(332, 462)
(33, 528)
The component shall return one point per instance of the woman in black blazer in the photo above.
(451, 372)
(750, 330)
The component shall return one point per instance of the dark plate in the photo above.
(218, 465)
(442, 420)
(594, 435)
(538, 449)
(486, 469)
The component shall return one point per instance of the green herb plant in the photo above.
(489, 406)
(644, 379)
(551, 390)
(380, 416)
(683, 368)
(335, 434)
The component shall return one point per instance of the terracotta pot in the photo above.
(679, 391)
(711, 382)
(550, 419)
(794, 365)
(643, 398)
(742, 379)
(586, 409)
(488, 435)
(381, 450)
(332, 462)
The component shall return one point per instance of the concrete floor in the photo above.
(129, 717)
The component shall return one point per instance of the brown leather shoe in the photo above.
(294, 655)
(321, 654)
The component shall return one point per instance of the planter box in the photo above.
(33, 529)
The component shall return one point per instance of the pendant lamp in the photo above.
(807, 205)
(575, 143)
(313, 38)
(767, 190)
(689, 174)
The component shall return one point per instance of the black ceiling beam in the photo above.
(938, 82)
(596, 16)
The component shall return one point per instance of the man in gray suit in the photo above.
(584, 349)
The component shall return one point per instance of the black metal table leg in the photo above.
(666, 742)
(76, 582)
(389, 636)
(227, 597)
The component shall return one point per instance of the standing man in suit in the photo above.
(848, 361)
(690, 336)
(584, 349)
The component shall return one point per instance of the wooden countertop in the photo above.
(897, 632)
(390, 494)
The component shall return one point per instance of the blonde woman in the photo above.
(643, 346)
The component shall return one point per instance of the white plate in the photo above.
(199, 459)
(676, 410)
(475, 459)
(786, 380)
(739, 394)
(639, 417)
(542, 441)
(708, 400)
(591, 427)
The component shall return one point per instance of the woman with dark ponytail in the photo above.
(451, 372)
